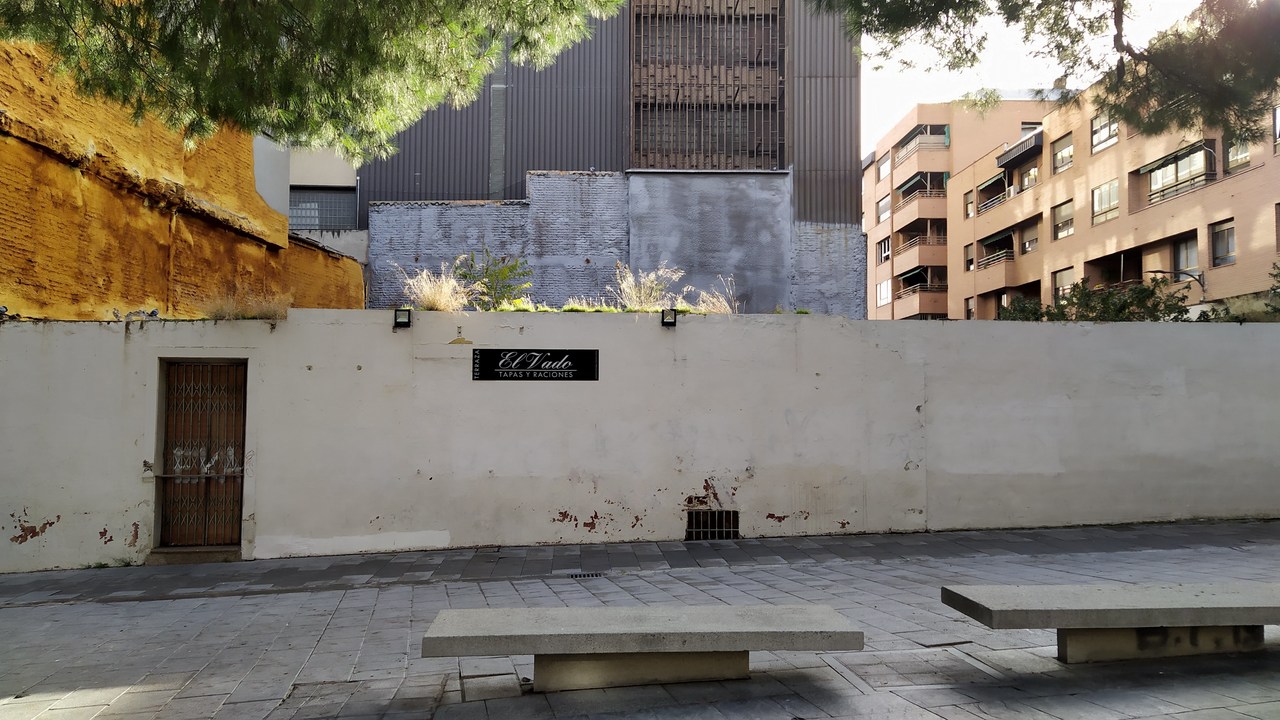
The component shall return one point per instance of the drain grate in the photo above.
(711, 525)
(578, 576)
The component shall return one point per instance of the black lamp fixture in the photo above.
(668, 317)
(403, 318)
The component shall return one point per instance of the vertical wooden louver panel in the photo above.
(707, 84)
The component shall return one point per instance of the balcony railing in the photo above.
(1021, 151)
(920, 240)
(928, 142)
(996, 258)
(921, 288)
(919, 194)
(1178, 188)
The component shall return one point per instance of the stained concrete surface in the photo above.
(338, 636)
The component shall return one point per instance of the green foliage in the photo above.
(497, 281)
(1156, 301)
(1273, 294)
(311, 73)
(1220, 69)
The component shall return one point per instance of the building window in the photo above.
(1106, 202)
(970, 308)
(1062, 282)
(884, 166)
(1030, 128)
(1030, 176)
(882, 251)
(1223, 237)
(1178, 174)
(1064, 220)
(1237, 156)
(1063, 153)
(882, 208)
(1105, 131)
(322, 208)
(968, 204)
(1275, 127)
(884, 293)
(1185, 256)
(1030, 239)
(968, 257)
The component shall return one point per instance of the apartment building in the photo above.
(1085, 198)
(906, 185)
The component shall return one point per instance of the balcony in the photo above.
(920, 251)
(919, 142)
(928, 298)
(918, 194)
(1021, 151)
(995, 272)
(917, 205)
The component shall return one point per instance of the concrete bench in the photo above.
(577, 648)
(1124, 622)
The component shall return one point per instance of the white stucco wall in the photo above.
(362, 439)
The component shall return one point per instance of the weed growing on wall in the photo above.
(444, 292)
(713, 301)
(641, 291)
(586, 304)
(248, 306)
(496, 280)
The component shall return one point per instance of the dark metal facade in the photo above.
(202, 483)
(665, 84)
(570, 116)
(708, 84)
(823, 119)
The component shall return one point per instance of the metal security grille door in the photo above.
(203, 480)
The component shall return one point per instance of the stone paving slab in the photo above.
(337, 637)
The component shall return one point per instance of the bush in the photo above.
(443, 292)
(1137, 302)
(496, 281)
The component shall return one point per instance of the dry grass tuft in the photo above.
(443, 292)
(248, 306)
(641, 291)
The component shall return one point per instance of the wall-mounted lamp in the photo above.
(669, 317)
(403, 318)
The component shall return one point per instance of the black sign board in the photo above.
(488, 364)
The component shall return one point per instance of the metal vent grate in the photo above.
(711, 525)
(578, 576)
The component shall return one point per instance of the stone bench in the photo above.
(1123, 622)
(577, 648)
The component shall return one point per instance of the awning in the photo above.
(995, 179)
(997, 237)
(911, 181)
(1171, 158)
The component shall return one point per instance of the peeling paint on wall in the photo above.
(28, 530)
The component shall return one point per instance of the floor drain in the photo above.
(577, 576)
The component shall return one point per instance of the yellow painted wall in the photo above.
(100, 215)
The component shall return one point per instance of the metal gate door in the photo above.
(203, 480)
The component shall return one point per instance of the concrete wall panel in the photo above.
(361, 439)
(713, 224)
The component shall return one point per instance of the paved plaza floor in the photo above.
(338, 637)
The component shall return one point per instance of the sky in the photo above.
(888, 94)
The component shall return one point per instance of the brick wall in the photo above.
(829, 267)
(101, 216)
(576, 225)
